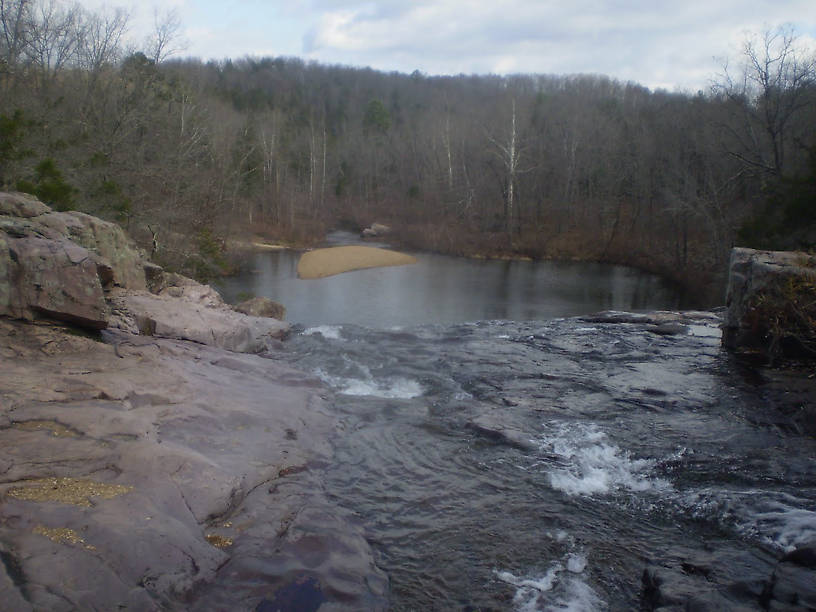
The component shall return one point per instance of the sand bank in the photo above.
(336, 260)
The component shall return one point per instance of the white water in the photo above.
(387, 388)
(327, 331)
(589, 465)
(556, 589)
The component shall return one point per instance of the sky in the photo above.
(678, 45)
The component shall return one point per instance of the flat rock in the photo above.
(184, 319)
(155, 474)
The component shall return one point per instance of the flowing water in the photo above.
(544, 463)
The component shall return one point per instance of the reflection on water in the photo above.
(442, 289)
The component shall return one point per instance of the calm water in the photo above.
(441, 289)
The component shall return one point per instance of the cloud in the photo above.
(662, 43)
(659, 43)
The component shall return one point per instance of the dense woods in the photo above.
(187, 154)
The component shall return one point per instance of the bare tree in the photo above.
(769, 89)
(53, 38)
(101, 38)
(14, 21)
(166, 39)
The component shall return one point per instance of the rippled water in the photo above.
(524, 461)
(543, 465)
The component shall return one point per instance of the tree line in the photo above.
(188, 154)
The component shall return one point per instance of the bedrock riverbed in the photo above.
(148, 473)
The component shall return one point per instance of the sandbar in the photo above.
(336, 260)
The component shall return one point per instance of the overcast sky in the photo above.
(671, 44)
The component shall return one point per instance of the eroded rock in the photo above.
(769, 303)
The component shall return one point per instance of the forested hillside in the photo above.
(187, 154)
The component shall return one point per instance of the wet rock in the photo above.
(667, 590)
(793, 583)
(767, 301)
(804, 556)
(261, 307)
(303, 593)
(496, 429)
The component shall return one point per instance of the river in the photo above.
(502, 450)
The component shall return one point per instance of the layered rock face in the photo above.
(771, 303)
(72, 267)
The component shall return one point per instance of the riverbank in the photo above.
(154, 453)
(703, 279)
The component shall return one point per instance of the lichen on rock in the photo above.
(74, 491)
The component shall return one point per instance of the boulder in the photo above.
(261, 307)
(15, 204)
(73, 267)
(53, 278)
(376, 230)
(111, 243)
(178, 286)
(183, 318)
(57, 265)
(770, 303)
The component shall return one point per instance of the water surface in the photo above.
(443, 289)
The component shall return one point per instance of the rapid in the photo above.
(615, 461)
(547, 465)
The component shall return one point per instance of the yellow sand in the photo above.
(336, 260)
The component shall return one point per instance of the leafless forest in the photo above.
(188, 155)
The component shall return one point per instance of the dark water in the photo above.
(544, 463)
(441, 289)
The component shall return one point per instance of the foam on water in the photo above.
(555, 590)
(589, 465)
(327, 331)
(705, 331)
(529, 590)
(777, 520)
(388, 388)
